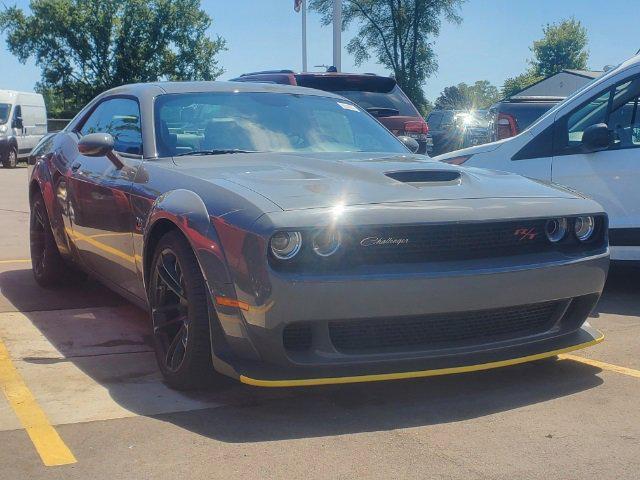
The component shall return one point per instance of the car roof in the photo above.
(214, 86)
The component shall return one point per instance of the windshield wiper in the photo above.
(221, 151)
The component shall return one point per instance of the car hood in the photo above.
(314, 180)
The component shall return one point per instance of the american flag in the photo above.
(297, 4)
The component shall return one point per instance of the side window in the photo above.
(17, 113)
(119, 117)
(623, 119)
(593, 112)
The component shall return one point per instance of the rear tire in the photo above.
(180, 315)
(49, 269)
(10, 160)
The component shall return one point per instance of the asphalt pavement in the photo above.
(83, 399)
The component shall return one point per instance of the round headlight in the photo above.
(556, 229)
(326, 242)
(286, 245)
(584, 227)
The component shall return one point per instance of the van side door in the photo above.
(611, 174)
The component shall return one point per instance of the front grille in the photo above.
(446, 242)
(446, 329)
(438, 243)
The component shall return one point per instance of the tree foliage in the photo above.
(480, 95)
(563, 46)
(84, 47)
(399, 34)
(515, 84)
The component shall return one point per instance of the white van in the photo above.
(23, 122)
(589, 142)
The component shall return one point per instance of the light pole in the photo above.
(304, 35)
(337, 34)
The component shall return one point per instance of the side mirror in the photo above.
(17, 122)
(99, 145)
(410, 143)
(597, 137)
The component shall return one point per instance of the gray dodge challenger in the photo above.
(283, 237)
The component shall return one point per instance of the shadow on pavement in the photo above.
(621, 295)
(111, 346)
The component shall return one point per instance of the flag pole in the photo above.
(337, 33)
(304, 35)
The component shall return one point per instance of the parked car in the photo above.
(380, 96)
(473, 127)
(23, 122)
(591, 143)
(283, 237)
(443, 131)
(511, 116)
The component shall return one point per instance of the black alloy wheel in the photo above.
(49, 269)
(180, 314)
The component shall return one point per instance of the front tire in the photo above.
(11, 158)
(49, 269)
(180, 315)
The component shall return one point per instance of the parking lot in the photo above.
(83, 399)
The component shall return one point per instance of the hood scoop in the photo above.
(424, 176)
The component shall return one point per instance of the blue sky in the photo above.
(492, 42)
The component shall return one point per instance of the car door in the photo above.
(100, 211)
(17, 124)
(609, 176)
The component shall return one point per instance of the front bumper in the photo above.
(254, 351)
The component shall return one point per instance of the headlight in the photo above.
(556, 229)
(3, 129)
(584, 227)
(285, 245)
(326, 242)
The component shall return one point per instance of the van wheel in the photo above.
(11, 158)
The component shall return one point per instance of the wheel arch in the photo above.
(183, 210)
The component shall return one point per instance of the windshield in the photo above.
(266, 122)
(394, 99)
(5, 109)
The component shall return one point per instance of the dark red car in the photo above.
(380, 96)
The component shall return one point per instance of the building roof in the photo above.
(584, 73)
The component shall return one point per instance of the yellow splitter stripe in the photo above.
(417, 374)
(48, 443)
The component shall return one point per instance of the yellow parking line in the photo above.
(603, 365)
(21, 260)
(52, 449)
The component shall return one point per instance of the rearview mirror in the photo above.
(17, 122)
(99, 145)
(410, 143)
(596, 137)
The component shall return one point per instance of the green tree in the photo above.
(84, 47)
(563, 46)
(515, 84)
(399, 34)
(480, 95)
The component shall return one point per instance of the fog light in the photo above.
(326, 242)
(286, 245)
(584, 227)
(556, 229)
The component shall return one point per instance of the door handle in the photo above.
(75, 166)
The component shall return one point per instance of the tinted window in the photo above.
(5, 108)
(527, 113)
(394, 99)
(595, 111)
(270, 122)
(119, 117)
(433, 120)
(624, 120)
